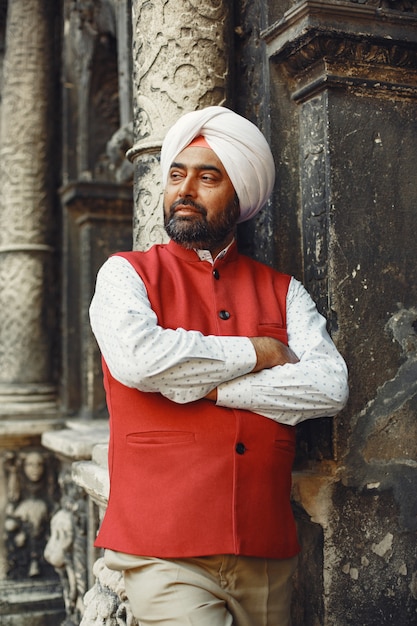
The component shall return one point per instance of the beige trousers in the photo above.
(222, 590)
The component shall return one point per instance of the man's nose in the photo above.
(187, 187)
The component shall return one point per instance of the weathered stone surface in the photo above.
(27, 216)
(39, 601)
(98, 222)
(77, 441)
(107, 599)
(373, 567)
(180, 63)
(348, 79)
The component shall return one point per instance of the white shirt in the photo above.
(185, 365)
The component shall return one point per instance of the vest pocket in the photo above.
(284, 445)
(160, 437)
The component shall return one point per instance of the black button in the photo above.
(240, 448)
(224, 315)
(216, 274)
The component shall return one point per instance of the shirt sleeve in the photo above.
(182, 365)
(316, 386)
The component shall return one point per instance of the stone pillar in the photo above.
(343, 105)
(29, 305)
(28, 297)
(181, 52)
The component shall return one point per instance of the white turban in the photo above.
(240, 146)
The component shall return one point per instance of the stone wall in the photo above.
(343, 103)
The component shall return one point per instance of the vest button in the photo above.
(240, 448)
(216, 274)
(224, 315)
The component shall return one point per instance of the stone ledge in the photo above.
(78, 440)
(351, 19)
(347, 45)
(22, 431)
(94, 479)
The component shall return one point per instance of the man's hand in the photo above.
(271, 352)
(212, 395)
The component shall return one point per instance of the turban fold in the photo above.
(240, 146)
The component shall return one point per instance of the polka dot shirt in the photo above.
(185, 365)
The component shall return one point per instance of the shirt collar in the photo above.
(193, 256)
(205, 255)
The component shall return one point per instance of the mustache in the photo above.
(187, 202)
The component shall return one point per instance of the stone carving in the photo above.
(179, 56)
(106, 603)
(31, 490)
(66, 549)
(93, 59)
(88, 19)
(26, 219)
(26, 359)
(345, 39)
(339, 49)
(25, 210)
(97, 16)
(58, 552)
(148, 223)
(180, 63)
(394, 5)
(117, 147)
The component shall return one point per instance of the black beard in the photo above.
(196, 231)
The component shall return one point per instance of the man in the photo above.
(210, 359)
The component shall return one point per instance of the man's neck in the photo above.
(215, 250)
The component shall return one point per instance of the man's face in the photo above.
(200, 204)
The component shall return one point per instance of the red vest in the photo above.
(198, 479)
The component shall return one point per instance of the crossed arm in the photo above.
(260, 374)
(269, 352)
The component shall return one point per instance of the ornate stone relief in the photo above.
(148, 223)
(394, 5)
(24, 280)
(179, 59)
(66, 549)
(354, 44)
(31, 489)
(350, 51)
(98, 70)
(117, 147)
(26, 211)
(106, 603)
(180, 63)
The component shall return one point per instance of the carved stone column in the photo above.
(28, 301)
(74, 525)
(180, 63)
